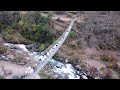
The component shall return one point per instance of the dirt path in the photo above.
(62, 17)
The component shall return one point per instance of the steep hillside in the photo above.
(97, 38)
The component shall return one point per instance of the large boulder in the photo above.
(30, 46)
(33, 47)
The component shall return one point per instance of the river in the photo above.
(62, 70)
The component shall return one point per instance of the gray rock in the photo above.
(3, 56)
(85, 74)
(78, 72)
(22, 63)
(10, 56)
(61, 59)
(30, 46)
(16, 77)
(78, 66)
(56, 76)
(84, 77)
(66, 60)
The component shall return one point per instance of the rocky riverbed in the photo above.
(54, 69)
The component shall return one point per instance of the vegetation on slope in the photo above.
(3, 49)
(16, 27)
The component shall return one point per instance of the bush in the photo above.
(111, 62)
(105, 58)
(17, 59)
(72, 34)
(8, 34)
(72, 46)
(9, 30)
(102, 68)
(8, 37)
(43, 75)
(41, 33)
(3, 49)
(110, 65)
(5, 18)
(41, 47)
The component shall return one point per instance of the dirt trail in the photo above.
(62, 17)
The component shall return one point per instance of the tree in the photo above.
(35, 27)
(41, 33)
(15, 19)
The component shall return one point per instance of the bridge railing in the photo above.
(44, 52)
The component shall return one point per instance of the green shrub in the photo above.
(72, 34)
(8, 34)
(102, 68)
(72, 46)
(42, 34)
(105, 58)
(110, 65)
(43, 75)
(41, 47)
(17, 59)
(9, 30)
(8, 37)
(3, 49)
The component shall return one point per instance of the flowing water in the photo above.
(60, 68)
